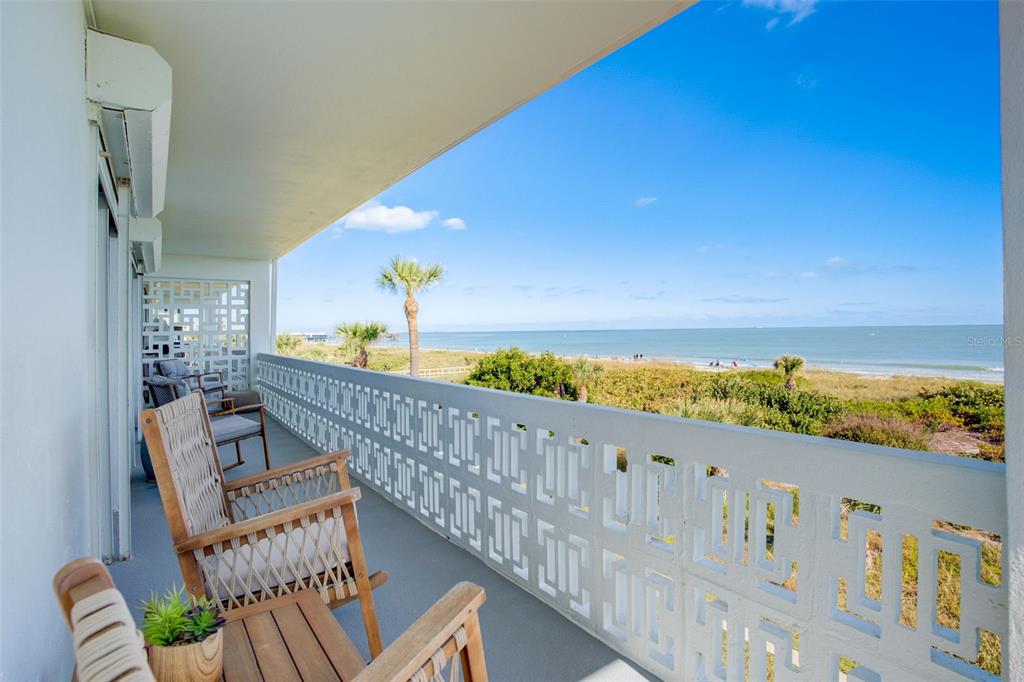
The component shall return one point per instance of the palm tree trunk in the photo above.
(581, 393)
(362, 358)
(411, 310)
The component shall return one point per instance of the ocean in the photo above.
(962, 351)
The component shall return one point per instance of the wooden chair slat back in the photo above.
(107, 646)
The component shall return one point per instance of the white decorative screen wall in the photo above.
(721, 552)
(205, 322)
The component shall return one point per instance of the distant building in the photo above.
(318, 337)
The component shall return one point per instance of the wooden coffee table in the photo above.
(293, 637)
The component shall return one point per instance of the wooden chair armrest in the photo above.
(258, 526)
(228, 410)
(413, 648)
(247, 408)
(278, 472)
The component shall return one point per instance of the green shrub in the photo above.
(992, 452)
(870, 428)
(648, 389)
(979, 407)
(729, 411)
(769, 376)
(318, 353)
(515, 370)
(780, 409)
(287, 344)
(930, 412)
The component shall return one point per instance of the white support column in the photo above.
(273, 305)
(1011, 45)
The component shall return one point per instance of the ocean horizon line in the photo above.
(658, 329)
(955, 351)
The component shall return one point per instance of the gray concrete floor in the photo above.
(524, 639)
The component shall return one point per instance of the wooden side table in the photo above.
(291, 638)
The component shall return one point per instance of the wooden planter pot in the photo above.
(199, 662)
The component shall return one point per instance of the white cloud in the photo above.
(835, 262)
(798, 10)
(376, 217)
(806, 82)
(644, 201)
(454, 223)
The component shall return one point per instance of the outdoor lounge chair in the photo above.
(256, 538)
(108, 648)
(229, 426)
(177, 368)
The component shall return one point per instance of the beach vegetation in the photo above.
(515, 370)
(789, 365)
(358, 337)
(782, 409)
(871, 428)
(585, 373)
(407, 276)
(978, 407)
(287, 344)
(727, 411)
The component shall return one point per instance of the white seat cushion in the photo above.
(290, 556)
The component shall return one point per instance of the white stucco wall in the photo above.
(259, 273)
(48, 177)
(1011, 41)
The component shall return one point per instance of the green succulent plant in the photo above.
(175, 618)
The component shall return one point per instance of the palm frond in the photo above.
(361, 334)
(406, 275)
(586, 372)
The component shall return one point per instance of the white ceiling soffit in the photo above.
(287, 115)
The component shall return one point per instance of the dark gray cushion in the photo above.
(163, 390)
(174, 368)
(232, 427)
(244, 397)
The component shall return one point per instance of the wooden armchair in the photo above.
(177, 368)
(260, 537)
(450, 628)
(225, 414)
(108, 648)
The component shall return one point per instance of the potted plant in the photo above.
(184, 637)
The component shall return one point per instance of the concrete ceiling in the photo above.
(287, 115)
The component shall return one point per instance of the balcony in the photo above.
(625, 524)
(611, 543)
(422, 565)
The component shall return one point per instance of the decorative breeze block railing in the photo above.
(205, 322)
(720, 552)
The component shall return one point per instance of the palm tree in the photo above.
(585, 373)
(406, 275)
(359, 335)
(790, 365)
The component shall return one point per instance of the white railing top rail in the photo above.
(436, 371)
(655, 560)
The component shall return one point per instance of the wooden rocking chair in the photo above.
(108, 648)
(257, 538)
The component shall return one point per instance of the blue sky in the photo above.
(773, 162)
